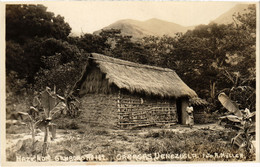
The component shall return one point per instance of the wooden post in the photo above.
(119, 107)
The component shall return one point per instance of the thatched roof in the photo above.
(142, 78)
(198, 101)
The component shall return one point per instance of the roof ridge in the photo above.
(126, 62)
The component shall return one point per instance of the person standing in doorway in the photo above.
(190, 118)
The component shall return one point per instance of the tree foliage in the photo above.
(29, 21)
(36, 40)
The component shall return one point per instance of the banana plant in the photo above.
(51, 104)
(243, 120)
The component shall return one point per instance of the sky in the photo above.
(86, 17)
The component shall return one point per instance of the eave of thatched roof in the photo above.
(198, 101)
(142, 78)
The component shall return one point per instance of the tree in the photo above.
(112, 43)
(23, 59)
(159, 49)
(29, 21)
(61, 65)
(92, 43)
(246, 28)
(14, 58)
(33, 33)
(197, 55)
(124, 48)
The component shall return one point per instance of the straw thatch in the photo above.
(198, 101)
(140, 78)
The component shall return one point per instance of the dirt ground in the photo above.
(201, 143)
(12, 139)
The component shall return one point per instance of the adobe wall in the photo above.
(136, 110)
(99, 109)
(126, 110)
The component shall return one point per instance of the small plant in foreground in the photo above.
(242, 121)
(51, 105)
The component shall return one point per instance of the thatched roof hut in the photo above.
(139, 78)
(143, 94)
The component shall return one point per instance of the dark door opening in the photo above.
(179, 111)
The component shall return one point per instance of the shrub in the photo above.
(72, 125)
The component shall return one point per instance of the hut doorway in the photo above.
(182, 104)
(179, 110)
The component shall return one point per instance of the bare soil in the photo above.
(122, 145)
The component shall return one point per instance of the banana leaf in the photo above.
(238, 140)
(48, 102)
(24, 115)
(61, 98)
(230, 105)
(36, 102)
(60, 106)
(251, 129)
(34, 109)
(232, 118)
(18, 145)
(68, 152)
(41, 124)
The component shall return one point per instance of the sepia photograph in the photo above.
(145, 82)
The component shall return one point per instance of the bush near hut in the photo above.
(205, 118)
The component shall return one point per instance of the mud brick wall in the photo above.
(123, 111)
(100, 109)
(134, 111)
